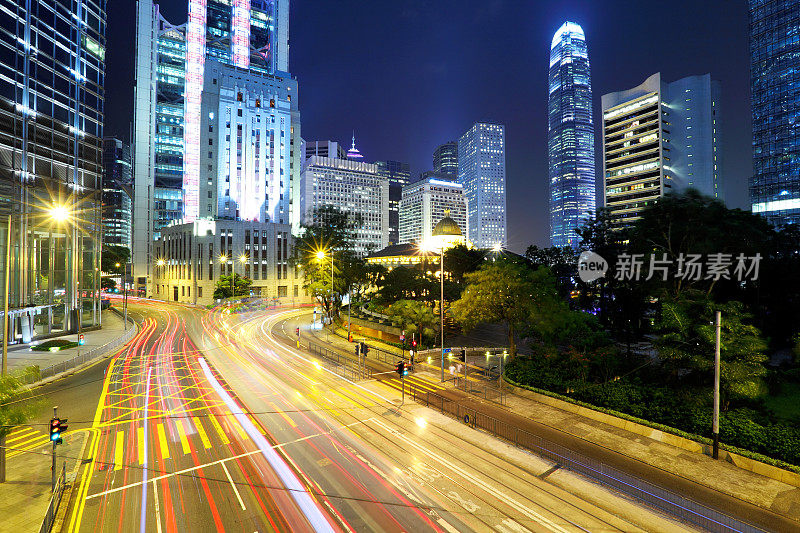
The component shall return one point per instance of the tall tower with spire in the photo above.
(570, 141)
(353, 152)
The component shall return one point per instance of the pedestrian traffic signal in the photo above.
(57, 427)
(463, 356)
(297, 331)
(414, 343)
(400, 368)
(81, 339)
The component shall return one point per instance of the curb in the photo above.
(105, 353)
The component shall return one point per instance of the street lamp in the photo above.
(446, 230)
(320, 254)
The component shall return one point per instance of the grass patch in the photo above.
(57, 344)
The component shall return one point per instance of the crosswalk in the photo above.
(24, 439)
(171, 438)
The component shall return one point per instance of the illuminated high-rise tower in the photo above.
(220, 78)
(570, 142)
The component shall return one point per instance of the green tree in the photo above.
(687, 340)
(407, 283)
(112, 256)
(328, 237)
(461, 260)
(414, 317)
(223, 288)
(507, 292)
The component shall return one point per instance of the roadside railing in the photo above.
(340, 363)
(55, 500)
(81, 358)
(638, 489)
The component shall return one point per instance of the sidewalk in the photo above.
(28, 478)
(722, 477)
(22, 356)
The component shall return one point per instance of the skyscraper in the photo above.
(445, 160)
(425, 203)
(570, 141)
(482, 172)
(179, 130)
(660, 137)
(775, 103)
(398, 175)
(117, 206)
(51, 129)
(351, 186)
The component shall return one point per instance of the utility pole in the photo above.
(5, 342)
(441, 303)
(715, 423)
(125, 296)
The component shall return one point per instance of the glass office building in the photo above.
(775, 102)
(570, 140)
(52, 68)
(482, 172)
(117, 204)
(398, 175)
(172, 63)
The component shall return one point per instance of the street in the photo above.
(207, 422)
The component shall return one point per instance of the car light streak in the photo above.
(299, 493)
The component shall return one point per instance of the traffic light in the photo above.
(414, 343)
(401, 368)
(358, 350)
(81, 339)
(463, 355)
(57, 426)
(297, 331)
(364, 348)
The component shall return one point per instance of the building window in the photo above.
(282, 291)
(239, 97)
(199, 292)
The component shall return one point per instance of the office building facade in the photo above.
(660, 137)
(51, 129)
(117, 190)
(445, 160)
(482, 172)
(193, 256)
(425, 203)
(398, 175)
(570, 140)
(353, 187)
(173, 171)
(775, 107)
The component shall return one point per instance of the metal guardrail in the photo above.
(340, 363)
(55, 500)
(79, 359)
(638, 489)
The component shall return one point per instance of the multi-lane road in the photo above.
(207, 422)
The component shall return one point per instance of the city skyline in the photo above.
(425, 116)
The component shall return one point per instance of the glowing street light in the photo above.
(59, 213)
(161, 262)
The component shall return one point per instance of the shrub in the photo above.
(61, 344)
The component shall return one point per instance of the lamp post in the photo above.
(441, 302)
(223, 259)
(243, 261)
(321, 257)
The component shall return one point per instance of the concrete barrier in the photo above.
(740, 461)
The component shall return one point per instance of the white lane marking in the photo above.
(143, 512)
(158, 509)
(533, 515)
(442, 522)
(467, 504)
(233, 486)
(232, 458)
(510, 525)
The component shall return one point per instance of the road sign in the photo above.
(447, 350)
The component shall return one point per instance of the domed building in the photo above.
(445, 235)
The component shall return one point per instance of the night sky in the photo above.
(407, 76)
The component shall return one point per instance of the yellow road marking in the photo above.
(345, 398)
(77, 515)
(288, 420)
(140, 443)
(222, 435)
(202, 432)
(239, 429)
(182, 435)
(256, 424)
(22, 434)
(162, 440)
(118, 450)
